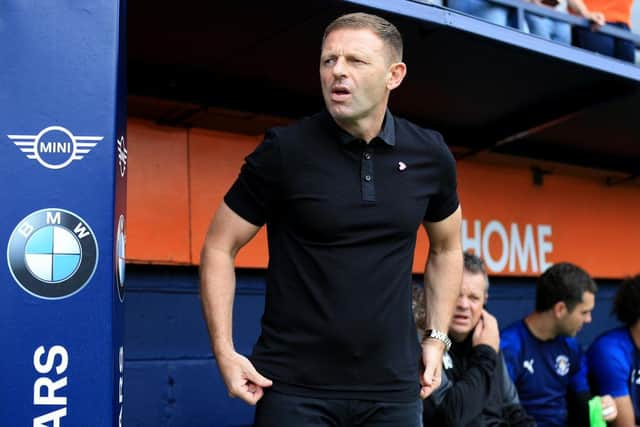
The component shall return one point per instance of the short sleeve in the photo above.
(445, 201)
(609, 368)
(578, 382)
(254, 193)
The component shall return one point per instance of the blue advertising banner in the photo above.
(63, 165)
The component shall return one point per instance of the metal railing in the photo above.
(521, 7)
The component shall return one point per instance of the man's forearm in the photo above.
(579, 7)
(443, 278)
(217, 289)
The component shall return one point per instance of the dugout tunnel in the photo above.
(495, 93)
(542, 133)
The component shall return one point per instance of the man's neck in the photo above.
(634, 330)
(366, 128)
(541, 325)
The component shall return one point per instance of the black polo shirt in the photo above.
(342, 218)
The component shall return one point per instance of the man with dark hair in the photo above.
(543, 357)
(342, 194)
(614, 357)
(476, 389)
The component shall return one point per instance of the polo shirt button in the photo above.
(367, 178)
(367, 156)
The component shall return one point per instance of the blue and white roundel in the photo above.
(562, 365)
(52, 253)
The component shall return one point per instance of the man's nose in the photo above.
(587, 318)
(339, 68)
(463, 302)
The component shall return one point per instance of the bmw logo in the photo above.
(121, 240)
(52, 253)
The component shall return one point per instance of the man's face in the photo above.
(354, 73)
(570, 322)
(469, 305)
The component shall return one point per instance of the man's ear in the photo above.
(560, 309)
(397, 72)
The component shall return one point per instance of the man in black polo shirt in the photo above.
(342, 194)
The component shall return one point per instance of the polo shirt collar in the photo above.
(386, 136)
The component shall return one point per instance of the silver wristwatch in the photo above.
(438, 335)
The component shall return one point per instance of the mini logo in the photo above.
(122, 155)
(52, 253)
(528, 365)
(55, 147)
(562, 365)
(402, 166)
(121, 241)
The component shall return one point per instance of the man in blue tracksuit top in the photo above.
(544, 359)
(614, 357)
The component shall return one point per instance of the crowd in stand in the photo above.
(534, 372)
(616, 13)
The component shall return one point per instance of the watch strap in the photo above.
(438, 335)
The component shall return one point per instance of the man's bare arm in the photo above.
(443, 277)
(625, 416)
(583, 10)
(227, 233)
(443, 273)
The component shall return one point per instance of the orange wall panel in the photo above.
(215, 160)
(157, 194)
(178, 179)
(588, 222)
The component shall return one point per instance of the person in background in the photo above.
(616, 13)
(483, 9)
(556, 30)
(418, 308)
(476, 389)
(543, 357)
(614, 357)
